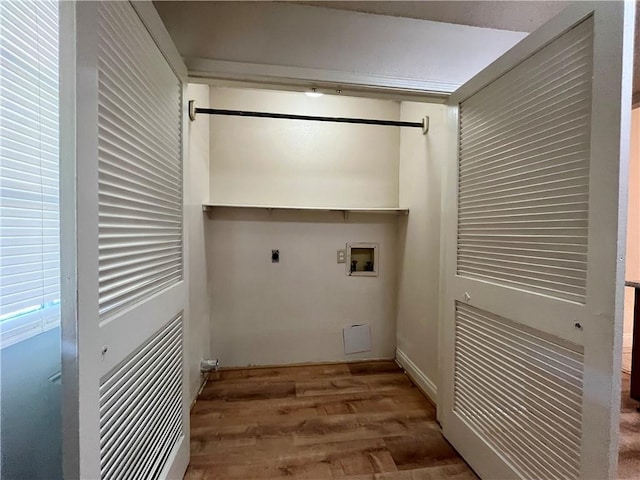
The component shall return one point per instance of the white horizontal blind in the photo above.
(521, 391)
(29, 183)
(524, 172)
(140, 168)
(141, 408)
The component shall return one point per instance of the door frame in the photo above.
(69, 78)
(78, 100)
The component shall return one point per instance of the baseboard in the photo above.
(418, 377)
(307, 364)
(205, 379)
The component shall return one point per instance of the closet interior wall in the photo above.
(422, 160)
(196, 178)
(294, 311)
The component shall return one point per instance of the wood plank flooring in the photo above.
(629, 437)
(361, 421)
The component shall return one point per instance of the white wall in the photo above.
(288, 162)
(281, 34)
(294, 312)
(421, 163)
(196, 174)
(31, 413)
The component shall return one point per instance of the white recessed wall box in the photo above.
(362, 259)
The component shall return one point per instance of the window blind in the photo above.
(29, 184)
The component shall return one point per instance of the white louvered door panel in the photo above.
(522, 390)
(140, 168)
(131, 413)
(141, 407)
(524, 172)
(534, 239)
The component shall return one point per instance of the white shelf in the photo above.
(383, 211)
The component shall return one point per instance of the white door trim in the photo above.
(149, 16)
(204, 68)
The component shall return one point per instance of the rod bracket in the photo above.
(192, 110)
(425, 125)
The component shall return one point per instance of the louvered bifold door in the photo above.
(133, 418)
(139, 242)
(530, 381)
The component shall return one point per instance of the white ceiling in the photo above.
(515, 15)
(521, 16)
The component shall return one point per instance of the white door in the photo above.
(535, 208)
(123, 293)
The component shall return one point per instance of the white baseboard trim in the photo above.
(203, 383)
(419, 378)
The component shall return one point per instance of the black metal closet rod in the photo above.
(424, 124)
(364, 121)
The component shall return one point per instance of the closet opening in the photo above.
(307, 188)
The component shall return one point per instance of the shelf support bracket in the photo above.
(425, 125)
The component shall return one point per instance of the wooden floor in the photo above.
(350, 421)
(629, 438)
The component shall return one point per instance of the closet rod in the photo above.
(424, 124)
